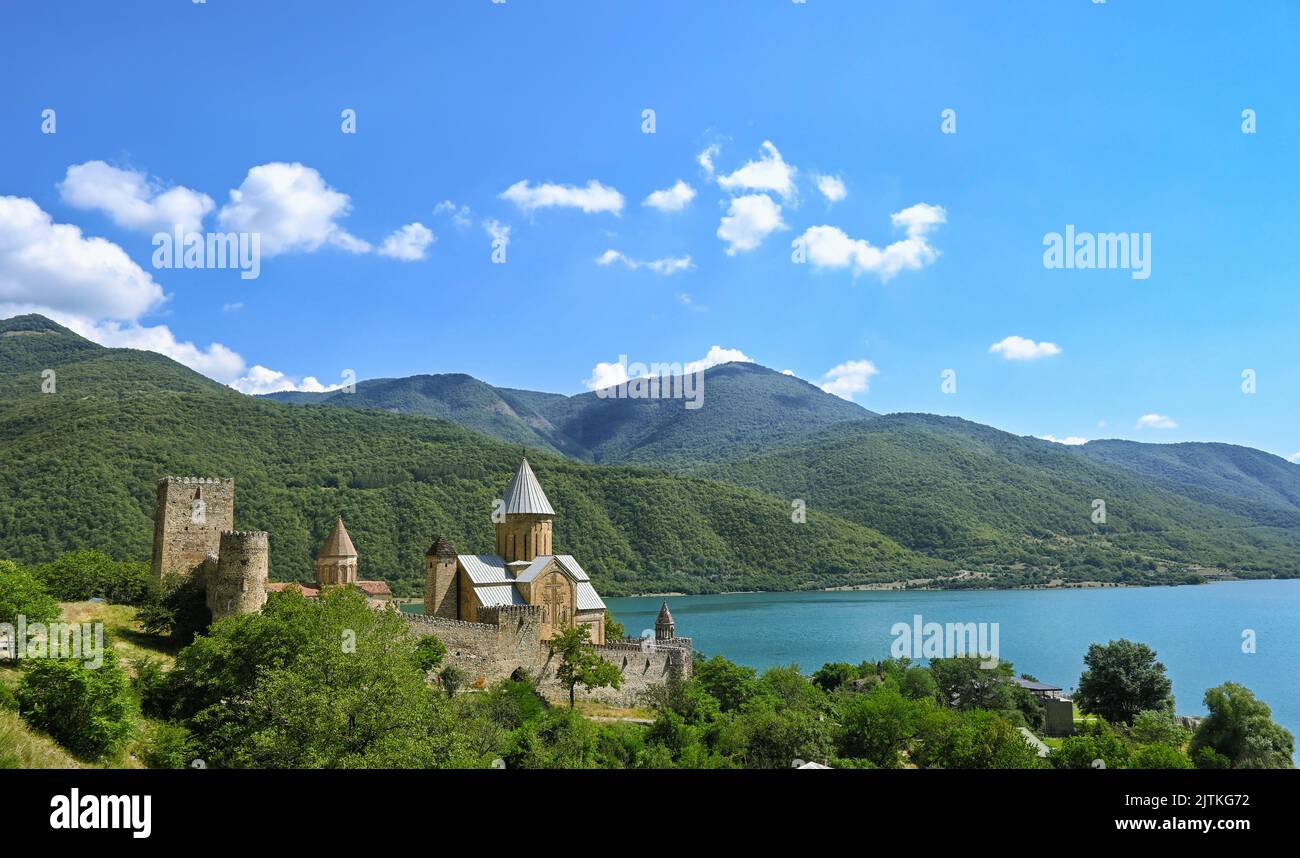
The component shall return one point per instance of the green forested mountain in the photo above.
(991, 500)
(456, 397)
(893, 497)
(1219, 470)
(81, 467)
(744, 408)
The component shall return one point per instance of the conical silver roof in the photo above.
(525, 495)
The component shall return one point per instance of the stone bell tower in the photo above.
(665, 628)
(526, 529)
(337, 561)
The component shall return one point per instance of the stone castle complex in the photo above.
(494, 612)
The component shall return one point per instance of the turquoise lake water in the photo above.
(1196, 631)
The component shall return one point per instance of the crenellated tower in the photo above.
(238, 585)
(189, 517)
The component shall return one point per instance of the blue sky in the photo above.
(1114, 117)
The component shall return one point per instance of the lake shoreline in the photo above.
(916, 586)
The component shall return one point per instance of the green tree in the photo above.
(178, 609)
(1082, 751)
(579, 663)
(730, 683)
(350, 695)
(1159, 756)
(1241, 731)
(80, 575)
(613, 628)
(977, 739)
(429, 653)
(877, 726)
(964, 683)
(23, 594)
(1122, 679)
(832, 675)
(1158, 727)
(451, 678)
(85, 709)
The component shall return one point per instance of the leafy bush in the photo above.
(85, 709)
(23, 594)
(81, 575)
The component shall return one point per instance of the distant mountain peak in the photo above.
(35, 323)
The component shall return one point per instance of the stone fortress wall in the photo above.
(509, 645)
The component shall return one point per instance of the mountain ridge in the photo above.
(675, 505)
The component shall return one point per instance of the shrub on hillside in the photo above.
(82, 575)
(23, 594)
(85, 709)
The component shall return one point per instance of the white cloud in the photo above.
(49, 265)
(672, 199)
(1294, 457)
(919, 219)
(260, 380)
(216, 361)
(705, 159)
(716, 356)
(830, 247)
(605, 375)
(497, 230)
(91, 286)
(769, 173)
(1021, 348)
(748, 221)
(832, 188)
(849, 378)
(408, 243)
(460, 215)
(595, 197)
(293, 209)
(1156, 421)
(1069, 441)
(233, 307)
(668, 265)
(133, 200)
(787, 372)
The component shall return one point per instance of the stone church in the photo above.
(523, 571)
(495, 613)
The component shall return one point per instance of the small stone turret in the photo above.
(239, 583)
(665, 628)
(441, 594)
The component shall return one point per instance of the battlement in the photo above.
(197, 481)
(505, 612)
(443, 623)
(243, 538)
(644, 645)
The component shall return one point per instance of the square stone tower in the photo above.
(189, 518)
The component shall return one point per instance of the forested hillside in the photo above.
(82, 464)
